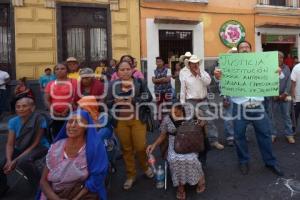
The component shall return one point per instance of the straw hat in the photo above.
(195, 59)
(186, 55)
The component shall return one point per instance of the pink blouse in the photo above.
(65, 172)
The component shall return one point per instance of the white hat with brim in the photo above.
(188, 54)
(194, 59)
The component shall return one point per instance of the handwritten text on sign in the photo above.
(249, 74)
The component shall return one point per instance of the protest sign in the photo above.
(249, 74)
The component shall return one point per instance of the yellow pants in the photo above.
(132, 135)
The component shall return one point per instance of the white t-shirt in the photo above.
(295, 76)
(3, 76)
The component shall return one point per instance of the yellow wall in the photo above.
(35, 38)
(36, 34)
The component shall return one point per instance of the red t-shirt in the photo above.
(62, 94)
(289, 62)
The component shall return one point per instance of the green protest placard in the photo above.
(249, 74)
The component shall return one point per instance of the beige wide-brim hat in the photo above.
(186, 55)
(195, 59)
(71, 59)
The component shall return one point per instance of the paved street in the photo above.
(224, 180)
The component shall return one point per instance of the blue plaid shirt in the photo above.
(165, 87)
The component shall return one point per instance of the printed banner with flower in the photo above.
(231, 33)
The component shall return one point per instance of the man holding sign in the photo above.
(247, 78)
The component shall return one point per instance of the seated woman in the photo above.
(104, 127)
(76, 164)
(185, 168)
(25, 143)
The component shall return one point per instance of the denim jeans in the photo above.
(281, 108)
(262, 131)
(228, 122)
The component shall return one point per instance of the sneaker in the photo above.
(291, 139)
(149, 173)
(217, 145)
(273, 139)
(128, 183)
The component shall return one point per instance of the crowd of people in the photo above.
(77, 98)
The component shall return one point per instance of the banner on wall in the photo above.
(231, 33)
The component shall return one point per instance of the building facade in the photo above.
(35, 34)
(208, 28)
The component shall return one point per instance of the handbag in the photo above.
(146, 116)
(72, 192)
(190, 138)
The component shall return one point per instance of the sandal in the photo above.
(180, 195)
(128, 184)
(201, 186)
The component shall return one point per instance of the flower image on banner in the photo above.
(231, 33)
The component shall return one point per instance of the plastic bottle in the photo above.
(152, 161)
(160, 178)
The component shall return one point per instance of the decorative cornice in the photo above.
(50, 3)
(17, 2)
(114, 5)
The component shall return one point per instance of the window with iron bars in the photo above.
(284, 3)
(5, 37)
(84, 34)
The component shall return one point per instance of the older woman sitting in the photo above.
(25, 143)
(76, 163)
(185, 168)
